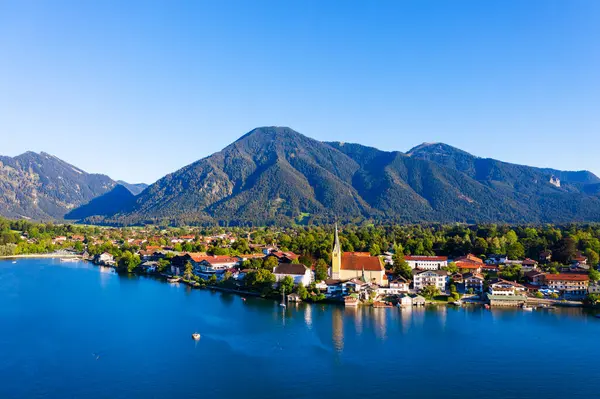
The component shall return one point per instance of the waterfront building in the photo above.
(474, 281)
(570, 284)
(436, 278)
(506, 293)
(297, 271)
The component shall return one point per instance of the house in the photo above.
(405, 301)
(205, 266)
(409, 300)
(59, 239)
(396, 287)
(594, 287)
(356, 285)
(149, 266)
(426, 262)
(500, 286)
(105, 259)
(545, 256)
(285, 257)
(490, 268)
(76, 237)
(535, 277)
(457, 278)
(297, 271)
(580, 260)
(506, 293)
(474, 281)
(570, 284)
(528, 265)
(436, 278)
(495, 259)
(469, 263)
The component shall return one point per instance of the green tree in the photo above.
(452, 268)
(321, 270)
(270, 262)
(286, 284)
(592, 257)
(594, 275)
(163, 264)
(302, 291)
(213, 279)
(430, 291)
(515, 251)
(188, 270)
(401, 267)
(127, 262)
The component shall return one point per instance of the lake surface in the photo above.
(55, 316)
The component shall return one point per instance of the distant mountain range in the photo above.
(275, 175)
(43, 187)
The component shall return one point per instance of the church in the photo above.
(349, 265)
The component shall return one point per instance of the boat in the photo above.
(243, 299)
(173, 279)
(68, 259)
(487, 306)
(14, 261)
(282, 304)
(527, 308)
(196, 336)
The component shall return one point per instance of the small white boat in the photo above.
(527, 308)
(173, 280)
(196, 336)
(14, 261)
(68, 259)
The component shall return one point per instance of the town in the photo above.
(264, 263)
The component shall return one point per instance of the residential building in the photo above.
(436, 278)
(528, 265)
(570, 284)
(105, 259)
(474, 281)
(426, 262)
(470, 263)
(297, 271)
(535, 277)
(285, 257)
(506, 293)
(396, 287)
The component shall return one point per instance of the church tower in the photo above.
(336, 256)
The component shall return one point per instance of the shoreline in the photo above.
(41, 256)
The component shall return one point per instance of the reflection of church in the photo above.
(349, 265)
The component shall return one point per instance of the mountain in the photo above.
(119, 199)
(41, 186)
(275, 175)
(134, 188)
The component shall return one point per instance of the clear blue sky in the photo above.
(137, 90)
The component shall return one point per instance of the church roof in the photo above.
(360, 261)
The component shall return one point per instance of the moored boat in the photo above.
(173, 279)
(195, 336)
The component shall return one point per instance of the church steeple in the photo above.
(336, 256)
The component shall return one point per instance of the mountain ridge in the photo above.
(277, 175)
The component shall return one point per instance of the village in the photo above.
(352, 278)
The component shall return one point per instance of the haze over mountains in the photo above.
(276, 175)
(44, 187)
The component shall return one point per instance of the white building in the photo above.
(505, 288)
(436, 278)
(426, 262)
(297, 271)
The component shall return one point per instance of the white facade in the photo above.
(426, 262)
(298, 277)
(437, 279)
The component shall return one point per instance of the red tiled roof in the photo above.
(469, 258)
(566, 277)
(358, 261)
(430, 258)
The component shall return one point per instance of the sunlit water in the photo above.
(76, 330)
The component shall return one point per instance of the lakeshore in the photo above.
(141, 327)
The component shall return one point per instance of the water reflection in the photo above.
(337, 334)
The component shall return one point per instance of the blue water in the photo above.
(54, 316)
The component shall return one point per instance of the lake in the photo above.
(78, 330)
